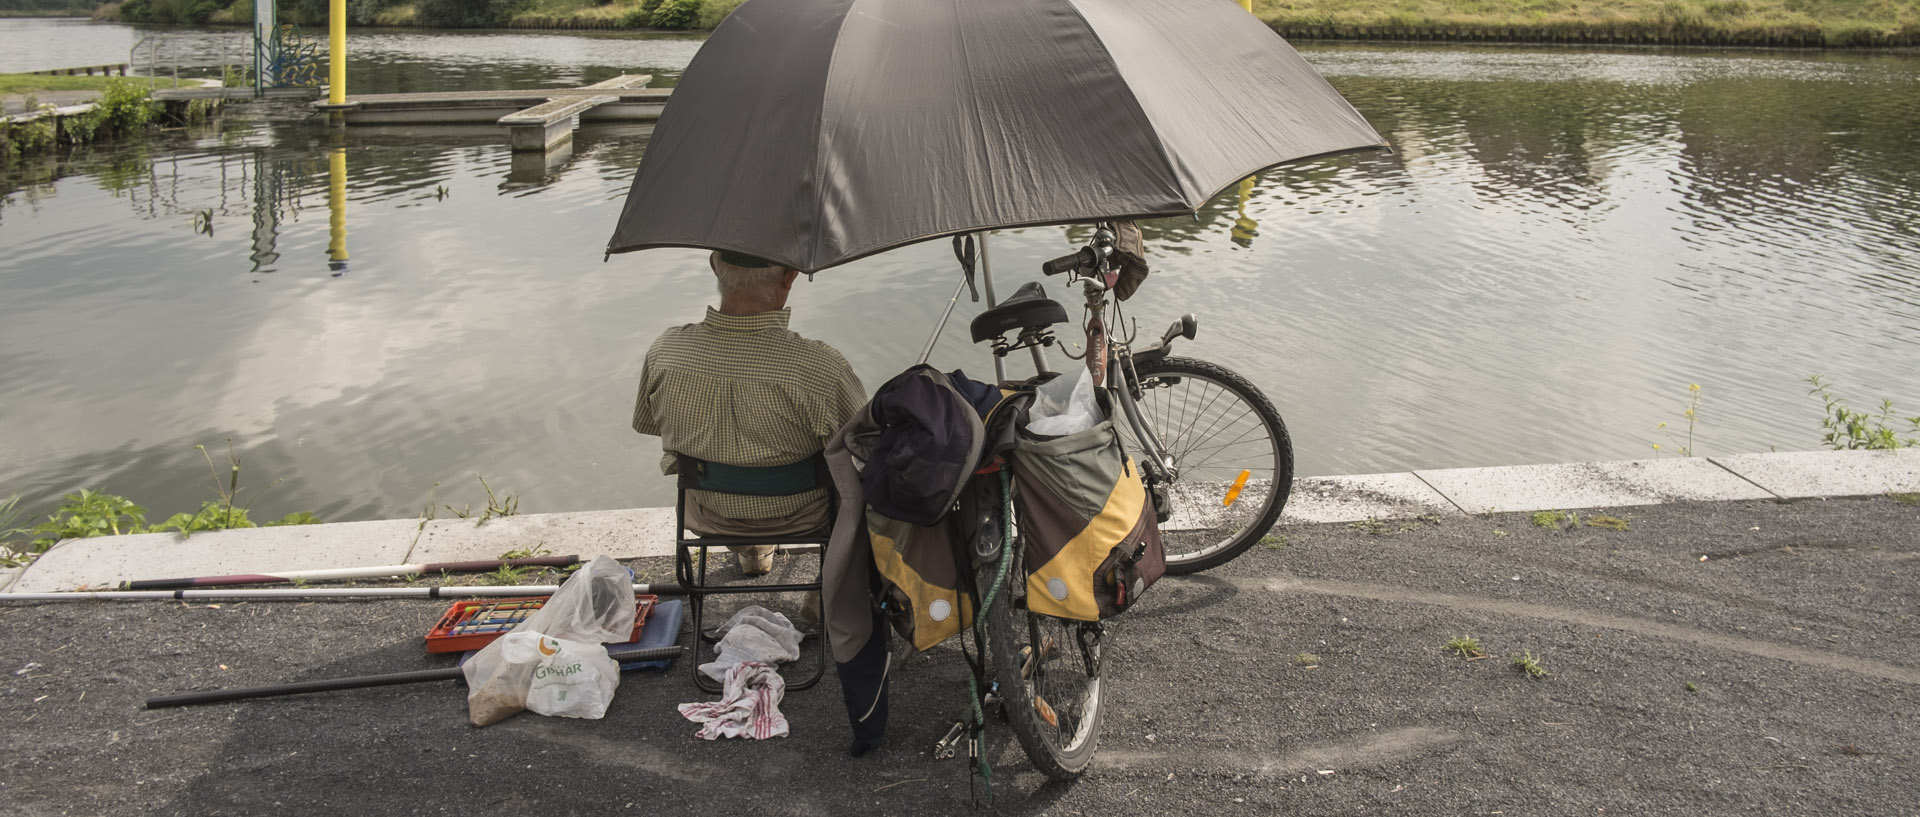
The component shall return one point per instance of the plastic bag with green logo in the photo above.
(554, 663)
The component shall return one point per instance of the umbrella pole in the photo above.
(986, 277)
(942, 325)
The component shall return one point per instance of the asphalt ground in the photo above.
(1778, 675)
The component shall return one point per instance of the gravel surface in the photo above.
(1781, 674)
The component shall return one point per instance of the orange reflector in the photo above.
(1238, 485)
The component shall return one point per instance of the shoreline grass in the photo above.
(1791, 23)
(16, 84)
(1819, 23)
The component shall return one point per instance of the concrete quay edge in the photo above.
(102, 562)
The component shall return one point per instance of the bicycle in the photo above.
(1199, 432)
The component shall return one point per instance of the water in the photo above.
(1563, 241)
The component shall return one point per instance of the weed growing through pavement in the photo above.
(505, 504)
(1848, 428)
(1691, 687)
(1608, 522)
(1384, 527)
(508, 574)
(1556, 519)
(526, 553)
(1528, 665)
(1307, 659)
(1467, 647)
(13, 551)
(1904, 499)
(1370, 527)
(1692, 414)
(1273, 541)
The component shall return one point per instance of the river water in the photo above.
(1562, 241)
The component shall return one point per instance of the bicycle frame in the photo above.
(1118, 357)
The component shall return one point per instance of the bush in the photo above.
(125, 106)
(465, 13)
(713, 11)
(676, 14)
(189, 12)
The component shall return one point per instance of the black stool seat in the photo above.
(1028, 308)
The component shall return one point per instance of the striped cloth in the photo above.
(744, 390)
(749, 705)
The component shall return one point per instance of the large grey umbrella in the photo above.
(814, 132)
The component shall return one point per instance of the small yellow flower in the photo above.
(1694, 387)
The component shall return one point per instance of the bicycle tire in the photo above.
(1061, 750)
(1199, 484)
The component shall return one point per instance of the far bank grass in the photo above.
(1836, 23)
(1831, 23)
(12, 84)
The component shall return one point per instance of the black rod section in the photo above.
(620, 656)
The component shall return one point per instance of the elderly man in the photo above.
(739, 388)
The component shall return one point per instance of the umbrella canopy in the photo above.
(814, 132)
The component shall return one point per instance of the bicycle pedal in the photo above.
(1046, 712)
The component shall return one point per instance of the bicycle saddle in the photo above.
(1028, 308)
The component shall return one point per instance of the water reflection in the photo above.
(1561, 242)
(337, 211)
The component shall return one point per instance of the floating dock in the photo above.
(540, 119)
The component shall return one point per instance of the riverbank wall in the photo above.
(1369, 500)
(1756, 23)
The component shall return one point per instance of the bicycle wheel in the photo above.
(1048, 670)
(1228, 451)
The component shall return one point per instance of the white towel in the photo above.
(749, 705)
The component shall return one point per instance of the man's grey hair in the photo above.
(758, 284)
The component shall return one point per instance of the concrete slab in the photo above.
(1361, 497)
(1588, 485)
(104, 561)
(1830, 473)
(623, 534)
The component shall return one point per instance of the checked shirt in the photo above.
(744, 390)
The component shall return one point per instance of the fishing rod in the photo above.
(338, 573)
(266, 593)
(622, 656)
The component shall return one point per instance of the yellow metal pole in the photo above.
(337, 211)
(337, 52)
(1248, 5)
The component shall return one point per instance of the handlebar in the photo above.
(1082, 260)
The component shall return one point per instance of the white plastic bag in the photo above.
(753, 634)
(1064, 405)
(554, 662)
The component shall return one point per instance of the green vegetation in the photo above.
(1848, 428)
(16, 84)
(88, 513)
(1607, 522)
(1556, 519)
(1904, 499)
(1273, 541)
(1467, 647)
(48, 8)
(1307, 659)
(1836, 23)
(125, 107)
(1693, 419)
(1526, 664)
